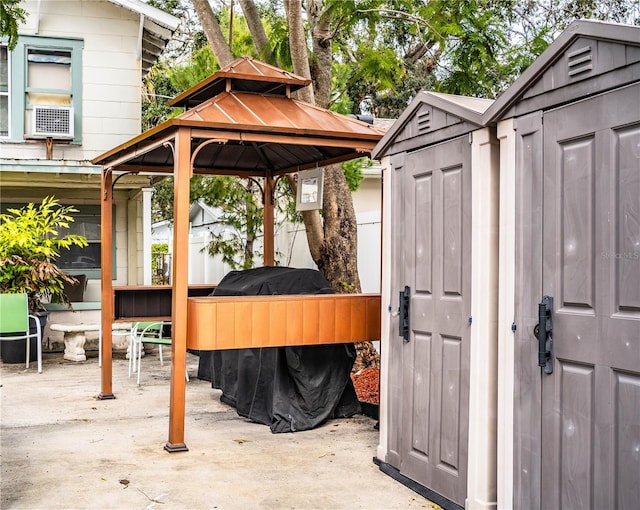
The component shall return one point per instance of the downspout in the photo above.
(38, 17)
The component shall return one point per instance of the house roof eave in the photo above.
(158, 16)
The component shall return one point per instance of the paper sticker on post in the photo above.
(310, 183)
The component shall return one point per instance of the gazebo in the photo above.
(240, 121)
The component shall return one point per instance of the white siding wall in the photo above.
(110, 75)
(367, 197)
(121, 241)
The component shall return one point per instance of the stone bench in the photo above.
(74, 339)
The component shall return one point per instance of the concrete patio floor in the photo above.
(62, 448)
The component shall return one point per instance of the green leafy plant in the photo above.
(30, 244)
(11, 15)
(158, 260)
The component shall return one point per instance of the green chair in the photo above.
(151, 331)
(148, 333)
(14, 320)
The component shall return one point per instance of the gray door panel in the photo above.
(436, 242)
(527, 397)
(395, 383)
(591, 266)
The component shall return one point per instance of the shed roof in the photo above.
(586, 58)
(460, 109)
(617, 46)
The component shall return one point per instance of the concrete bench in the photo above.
(74, 339)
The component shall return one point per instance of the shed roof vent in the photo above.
(580, 61)
(424, 121)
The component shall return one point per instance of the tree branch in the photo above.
(256, 28)
(392, 13)
(214, 34)
(298, 45)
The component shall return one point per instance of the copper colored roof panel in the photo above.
(253, 134)
(248, 132)
(257, 112)
(244, 74)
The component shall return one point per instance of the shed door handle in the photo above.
(404, 325)
(544, 334)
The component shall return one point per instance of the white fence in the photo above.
(291, 249)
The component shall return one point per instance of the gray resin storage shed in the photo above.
(441, 206)
(498, 218)
(569, 130)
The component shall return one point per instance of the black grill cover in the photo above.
(287, 388)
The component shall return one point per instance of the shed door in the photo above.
(435, 359)
(591, 266)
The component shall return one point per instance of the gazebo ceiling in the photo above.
(243, 130)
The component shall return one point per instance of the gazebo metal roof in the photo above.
(242, 121)
(251, 127)
(248, 75)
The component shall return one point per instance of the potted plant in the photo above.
(30, 244)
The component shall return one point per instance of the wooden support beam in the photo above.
(182, 175)
(106, 243)
(268, 221)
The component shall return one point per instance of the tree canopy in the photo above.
(364, 57)
(384, 51)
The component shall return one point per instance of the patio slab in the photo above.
(62, 448)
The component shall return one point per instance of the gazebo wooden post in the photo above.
(268, 221)
(106, 232)
(182, 170)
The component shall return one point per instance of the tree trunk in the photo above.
(320, 22)
(339, 251)
(335, 249)
(298, 45)
(219, 45)
(256, 28)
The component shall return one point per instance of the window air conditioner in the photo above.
(52, 122)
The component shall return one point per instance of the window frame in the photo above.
(92, 274)
(18, 90)
(7, 94)
(86, 210)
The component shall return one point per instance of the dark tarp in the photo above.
(287, 388)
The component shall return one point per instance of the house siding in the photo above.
(111, 84)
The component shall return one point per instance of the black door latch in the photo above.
(404, 324)
(544, 333)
